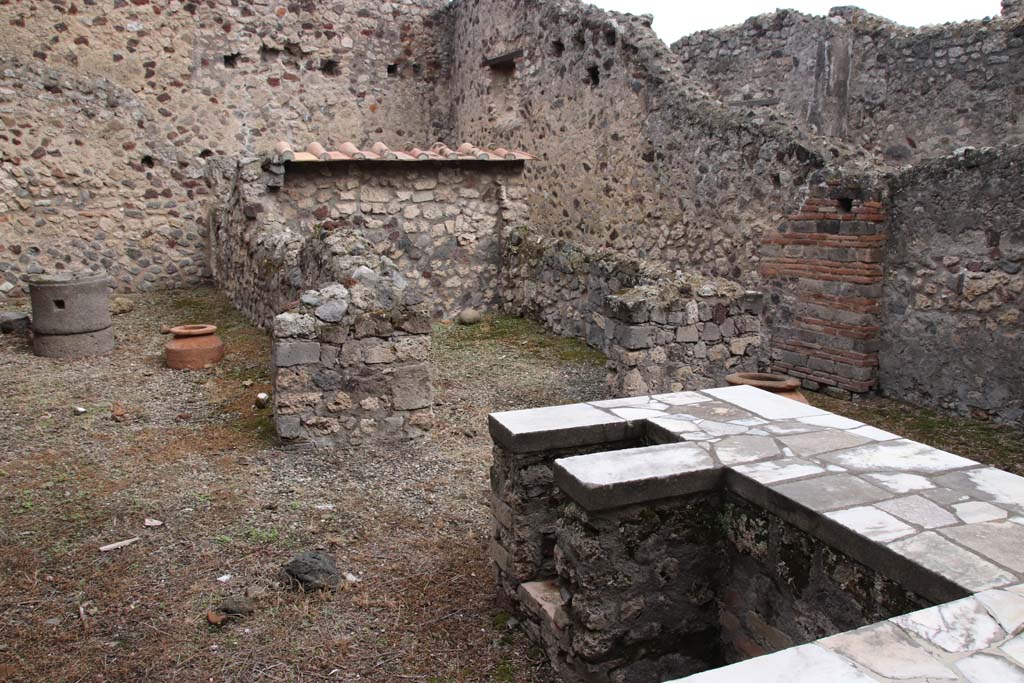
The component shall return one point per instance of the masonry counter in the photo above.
(714, 536)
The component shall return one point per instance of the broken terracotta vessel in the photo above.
(194, 347)
(782, 385)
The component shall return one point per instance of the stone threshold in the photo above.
(944, 527)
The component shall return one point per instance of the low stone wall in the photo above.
(351, 362)
(754, 525)
(440, 223)
(823, 273)
(660, 332)
(954, 288)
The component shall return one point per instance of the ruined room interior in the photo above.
(501, 340)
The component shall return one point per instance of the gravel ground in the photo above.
(408, 523)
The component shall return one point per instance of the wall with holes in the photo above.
(898, 94)
(110, 111)
(635, 157)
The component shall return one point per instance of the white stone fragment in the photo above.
(919, 511)
(887, 650)
(977, 511)
(615, 467)
(984, 668)
(959, 626)
(766, 404)
(901, 483)
(1007, 608)
(743, 448)
(676, 426)
(875, 434)
(871, 522)
(811, 662)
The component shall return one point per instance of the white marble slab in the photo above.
(614, 467)
(1014, 649)
(766, 404)
(898, 456)
(888, 651)
(773, 471)
(628, 402)
(985, 668)
(977, 511)
(959, 626)
(1005, 607)
(899, 482)
(871, 522)
(831, 420)
(874, 433)
(744, 448)
(804, 664)
(816, 443)
(965, 568)
(1002, 486)
(682, 398)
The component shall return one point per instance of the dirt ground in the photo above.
(187, 448)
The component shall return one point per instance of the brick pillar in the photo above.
(823, 273)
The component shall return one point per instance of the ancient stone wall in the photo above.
(824, 277)
(351, 362)
(660, 331)
(282, 228)
(953, 318)
(111, 110)
(634, 156)
(901, 94)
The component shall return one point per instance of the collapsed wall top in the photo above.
(379, 151)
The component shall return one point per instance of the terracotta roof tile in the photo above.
(379, 151)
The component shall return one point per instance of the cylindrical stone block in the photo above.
(73, 345)
(69, 303)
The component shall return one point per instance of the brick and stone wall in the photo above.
(953, 301)
(111, 110)
(282, 228)
(824, 277)
(351, 361)
(636, 157)
(897, 93)
(660, 331)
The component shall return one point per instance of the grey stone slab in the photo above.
(744, 448)
(539, 429)
(962, 567)
(888, 651)
(832, 492)
(1002, 542)
(716, 411)
(919, 511)
(872, 523)
(773, 471)
(767, 405)
(809, 663)
(901, 455)
(815, 443)
(600, 481)
(289, 353)
(946, 497)
(790, 427)
(986, 668)
(958, 626)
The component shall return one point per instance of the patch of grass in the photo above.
(257, 535)
(997, 445)
(521, 334)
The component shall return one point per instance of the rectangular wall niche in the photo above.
(654, 538)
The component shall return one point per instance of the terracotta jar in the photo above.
(777, 384)
(194, 347)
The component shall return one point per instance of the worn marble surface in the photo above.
(951, 525)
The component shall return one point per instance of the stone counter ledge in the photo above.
(942, 526)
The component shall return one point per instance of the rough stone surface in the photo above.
(313, 570)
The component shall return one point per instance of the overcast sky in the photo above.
(676, 18)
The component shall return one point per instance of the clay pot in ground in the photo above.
(777, 384)
(194, 347)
